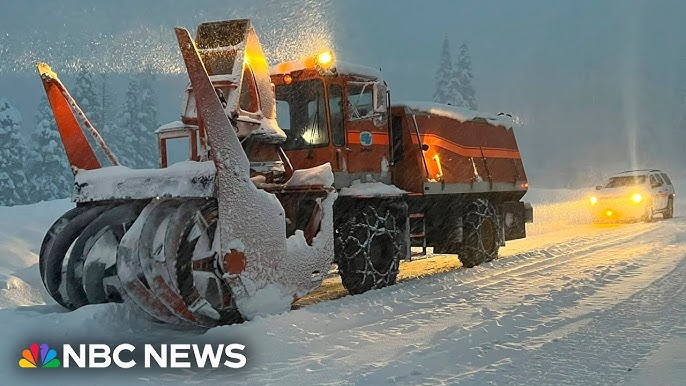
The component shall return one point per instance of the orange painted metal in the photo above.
(467, 152)
(458, 152)
(79, 152)
(234, 262)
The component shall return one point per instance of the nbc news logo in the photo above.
(123, 356)
(31, 360)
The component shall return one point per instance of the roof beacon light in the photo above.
(325, 59)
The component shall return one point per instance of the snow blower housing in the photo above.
(289, 169)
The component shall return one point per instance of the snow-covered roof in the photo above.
(453, 112)
(341, 67)
(172, 126)
(639, 172)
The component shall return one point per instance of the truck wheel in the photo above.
(370, 243)
(481, 234)
(669, 212)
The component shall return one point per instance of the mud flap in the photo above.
(515, 215)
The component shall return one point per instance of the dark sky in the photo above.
(585, 77)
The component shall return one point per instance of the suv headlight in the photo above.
(637, 198)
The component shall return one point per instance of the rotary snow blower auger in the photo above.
(231, 234)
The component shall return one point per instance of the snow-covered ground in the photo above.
(574, 303)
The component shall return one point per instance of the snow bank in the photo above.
(580, 308)
(370, 189)
(22, 229)
(548, 196)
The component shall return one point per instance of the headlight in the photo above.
(637, 197)
(593, 200)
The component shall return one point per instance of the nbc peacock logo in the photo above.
(30, 357)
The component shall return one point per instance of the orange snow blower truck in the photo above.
(289, 169)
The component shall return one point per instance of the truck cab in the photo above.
(334, 112)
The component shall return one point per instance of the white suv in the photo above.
(634, 194)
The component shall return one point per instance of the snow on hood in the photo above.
(270, 131)
(183, 179)
(621, 191)
(370, 189)
(452, 112)
(318, 175)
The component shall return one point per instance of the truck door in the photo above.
(336, 115)
(367, 132)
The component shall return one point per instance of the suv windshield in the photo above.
(616, 182)
(301, 113)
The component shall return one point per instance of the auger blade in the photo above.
(55, 252)
(152, 259)
(191, 256)
(130, 272)
(111, 222)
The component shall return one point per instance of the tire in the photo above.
(481, 234)
(371, 239)
(450, 239)
(648, 216)
(669, 212)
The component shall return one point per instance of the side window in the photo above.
(360, 100)
(666, 179)
(654, 181)
(336, 110)
(248, 97)
(283, 114)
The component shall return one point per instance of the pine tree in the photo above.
(86, 94)
(49, 170)
(109, 116)
(133, 137)
(444, 73)
(14, 187)
(461, 81)
(148, 119)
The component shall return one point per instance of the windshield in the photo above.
(301, 113)
(616, 182)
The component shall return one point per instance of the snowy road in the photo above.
(572, 304)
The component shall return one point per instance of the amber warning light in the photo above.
(325, 59)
